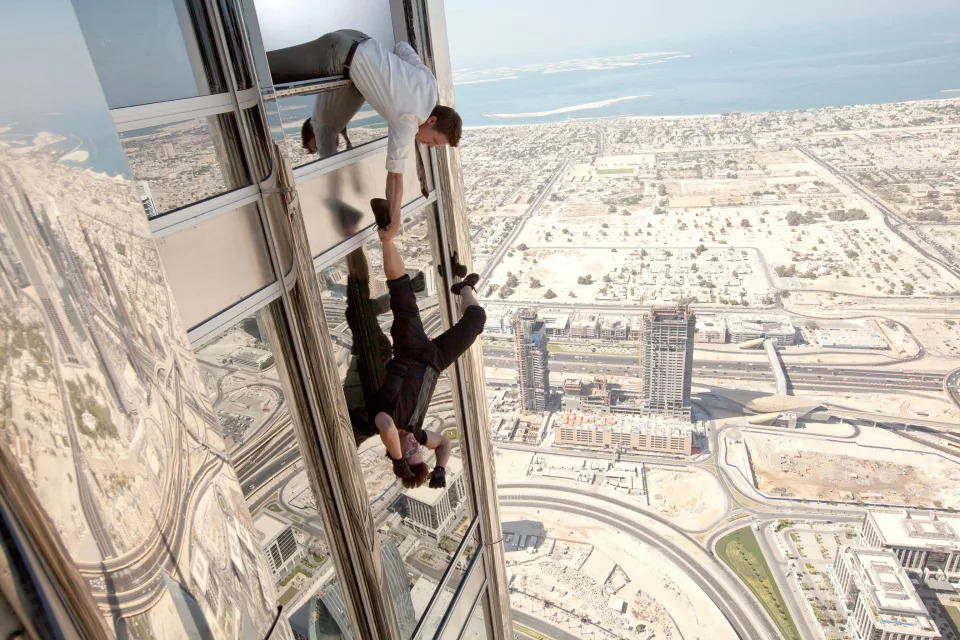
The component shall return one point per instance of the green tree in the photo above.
(549, 295)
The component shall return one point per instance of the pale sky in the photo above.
(548, 29)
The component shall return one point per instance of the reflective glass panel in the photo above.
(426, 524)
(243, 384)
(337, 204)
(284, 24)
(181, 163)
(477, 626)
(339, 120)
(146, 51)
(105, 418)
(421, 596)
(216, 263)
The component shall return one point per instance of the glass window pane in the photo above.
(423, 592)
(330, 112)
(476, 628)
(232, 29)
(185, 162)
(426, 524)
(284, 24)
(336, 204)
(242, 381)
(148, 51)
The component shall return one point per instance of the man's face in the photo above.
(429, 136)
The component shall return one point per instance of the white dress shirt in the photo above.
(402, 90)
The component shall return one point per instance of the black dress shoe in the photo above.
(381, 212)
(418, 281)
(470, 281)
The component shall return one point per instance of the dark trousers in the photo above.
(322, 58)
(410, 340)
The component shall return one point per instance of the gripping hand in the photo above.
(438, 478)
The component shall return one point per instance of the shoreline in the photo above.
(690, 116)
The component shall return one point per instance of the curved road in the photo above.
(745, 625)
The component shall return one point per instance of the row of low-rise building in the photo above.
(625, 432)
(714, 329)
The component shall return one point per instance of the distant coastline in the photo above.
(693, 116)
(754, 74)
(577, 107)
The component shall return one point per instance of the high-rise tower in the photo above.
(533, 370)
(666, 364)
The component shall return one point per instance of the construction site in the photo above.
(852, 471)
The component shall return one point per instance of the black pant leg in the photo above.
(455, 341)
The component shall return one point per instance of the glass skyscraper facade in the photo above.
(179, 361)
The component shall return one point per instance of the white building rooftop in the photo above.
(911, 529)
(268, 527)
(896, 605)
(850, 338)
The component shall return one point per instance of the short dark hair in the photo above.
(306, 133)
(448, 123)
(420, 474)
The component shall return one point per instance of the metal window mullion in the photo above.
(458, 594)
(178, 219)
(310, 87)
(212, 327)
(341, 249)
(471, 530)
(160, 113)
(483, 600)
(317, 168)
(484, 503)
(371, 619)
(483, 483)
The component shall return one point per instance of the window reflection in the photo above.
(147, 52)
(105, 414)
(476, 628)
(185, 162)
(242, 381)
(426, 525)
(427, 586)
(318, 123)
(357, 128)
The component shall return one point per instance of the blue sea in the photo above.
(90, 131)
(747, 73)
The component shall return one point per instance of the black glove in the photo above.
(438, 478)
(402, 469)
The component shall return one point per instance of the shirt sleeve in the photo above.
(406, 53)
(400, 139)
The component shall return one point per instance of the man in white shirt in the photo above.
(397, 84)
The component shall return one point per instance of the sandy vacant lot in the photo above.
(692, 498)
(618, 566)
(824, 469)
